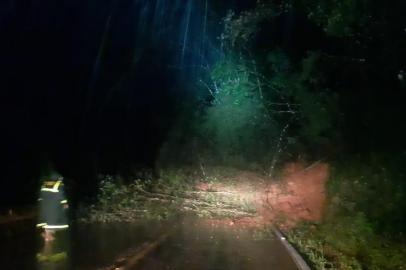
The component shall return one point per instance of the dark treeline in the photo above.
(314, 80)
(341, 65)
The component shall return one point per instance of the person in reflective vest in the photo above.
(53, 207)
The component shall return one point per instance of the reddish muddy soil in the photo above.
(299, 194)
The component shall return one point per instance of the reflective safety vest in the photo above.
(52, 206)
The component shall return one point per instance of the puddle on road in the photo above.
(192, 244)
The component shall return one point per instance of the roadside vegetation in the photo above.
(320, 101)
(268, 102)
(363, 223)
(354, 233)
(175, 193)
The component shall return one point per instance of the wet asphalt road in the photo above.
(191, 244)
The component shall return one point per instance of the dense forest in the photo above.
(313, 80)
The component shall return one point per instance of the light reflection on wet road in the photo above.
(197, 244)
(192, 244)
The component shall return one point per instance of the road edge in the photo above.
(297, 258)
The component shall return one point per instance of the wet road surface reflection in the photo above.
(191, 244)
(200, 244)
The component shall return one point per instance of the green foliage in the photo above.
(361, 52)
(237, 123)
(273, 92)
(352, 234)
(347, 243)
(346, 18)
(372, 186)
(315, 116)
(168, 197)
(118, 202)
(318, 254)
(311, 69)
(313, 108)
(318, 105)
(173, 182)
(364, 223)
(239, 29)
(111, 193)
(279, 61)
(249, 110)
(339, 18)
